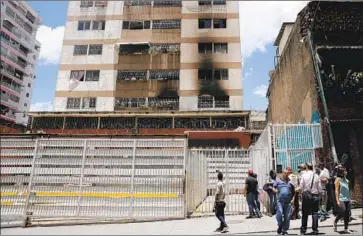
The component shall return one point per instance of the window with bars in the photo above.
(165, 49)
(95, 49)
(207, 101)
(80, 50)
(218, 48)
(134, 49)
(89, 102)
(130, 103)
(99, 3)
(132, 75)
(135, 25)
(166, 24)
(213, 74)
(164, 74)
(92, 75)
(205, 23)
(137, 3)
(169, 3)
(85, 4)
(204, 3)
(73, 103)
(219, 2)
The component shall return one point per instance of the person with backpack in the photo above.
(268, 187)
(311, 190)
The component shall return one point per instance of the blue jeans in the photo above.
(252, 206)
(272, 197)
(323, 212)
(283, 216)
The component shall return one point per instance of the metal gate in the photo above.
(202, 178)
(94, 178)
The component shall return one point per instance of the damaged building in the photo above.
(149, 68)
(318, 77)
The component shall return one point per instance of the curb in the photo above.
(295, 228)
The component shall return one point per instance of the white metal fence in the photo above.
(65, 178)
(283, 145)
(203, 165)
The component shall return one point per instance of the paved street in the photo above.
(355, 230)
(196, 226)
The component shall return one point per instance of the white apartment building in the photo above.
(152, 55)
(19, 54)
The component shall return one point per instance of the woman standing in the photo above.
(342, 194)
(271, 194)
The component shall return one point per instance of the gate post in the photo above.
(288, 161)
(82, 176)
(185, 178)
(26, 221)
(132, 197)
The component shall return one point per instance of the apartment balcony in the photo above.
(151, 104)
(12, 74)
(12, 89)
(147, 61)
(13, 59)
(26, 16)
(18, 21)
(8, 117)
(15, 34)
(16, 48)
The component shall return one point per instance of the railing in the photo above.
(13, 59)
(16, 47)
(18, 21)
(11, 87)
(147, 103)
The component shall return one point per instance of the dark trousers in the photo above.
(295, 213)
(272, 202)
(252, 206)
(343, 212)
(310, 206)
(257, 199)
(219, 207)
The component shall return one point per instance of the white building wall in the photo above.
(188, 103)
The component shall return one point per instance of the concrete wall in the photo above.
(293, 96)
(284, 38)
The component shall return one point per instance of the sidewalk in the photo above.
(196, 226)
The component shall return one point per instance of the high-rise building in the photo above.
(19, 54)
(150, 55)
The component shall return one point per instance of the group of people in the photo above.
(309, 187)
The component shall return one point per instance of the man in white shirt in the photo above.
(310, 187)
(324, 180)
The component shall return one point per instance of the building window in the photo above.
(80, 50)
(25, 105)
(165, 49)
(170, 3)
(220, 74)
(130, 103)
(85, 4)
(205, 48)
(213, 74)
(205, 23)
(98, 25)
(89, 103)
(137, 3)
(132, 75)
(220, 2)
(219, 23)
(164, 74)
(139, 49)
(92, 75)
(73, 103)
(207, 101)
(100, 3)
(84, 25)
(29, 85)
(27, 95)
(166, 24)
(135, 25)
(95, 49)
(77, 75)
(204, 3)
(220, 48)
